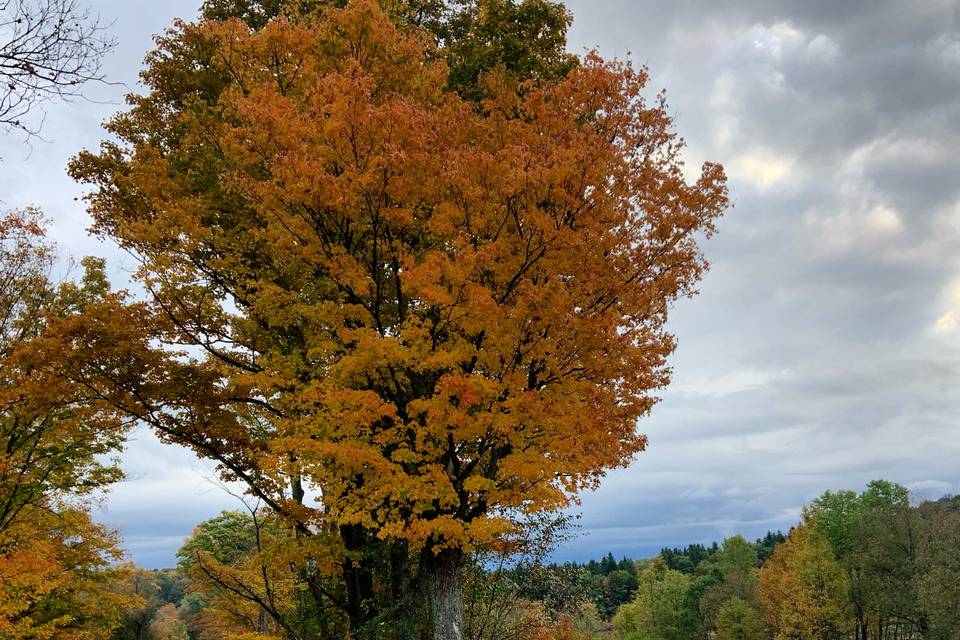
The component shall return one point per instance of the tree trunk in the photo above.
(357, 579)
(443, 579)
(405, 597)
(862, 626)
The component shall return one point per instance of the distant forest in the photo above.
(861, 566)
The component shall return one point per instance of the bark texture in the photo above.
(443, 579)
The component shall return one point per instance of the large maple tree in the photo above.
(428, 312)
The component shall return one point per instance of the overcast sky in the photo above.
(824, 348)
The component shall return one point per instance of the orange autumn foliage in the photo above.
(58, 578)
(434, 313)
(54, 437)
(56, 565)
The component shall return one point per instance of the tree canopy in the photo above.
(434, 314)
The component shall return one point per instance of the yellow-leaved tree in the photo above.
(429, 313)
(57, 567)
(803, 590)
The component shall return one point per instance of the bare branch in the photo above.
(48, 50)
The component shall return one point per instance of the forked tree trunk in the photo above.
(443, 579)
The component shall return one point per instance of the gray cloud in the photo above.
(823, 349)
(166, 493)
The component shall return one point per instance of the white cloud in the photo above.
(946, 48)
(761, 168)
(882, 219)
(776, 39)
(723, 107)
(823, 48)
(948, 322)
(898, 147)
(852, 225)
(730, 382)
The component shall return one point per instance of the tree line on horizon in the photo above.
(867, 566)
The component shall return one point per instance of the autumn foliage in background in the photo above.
(867, 566)
(56, 566)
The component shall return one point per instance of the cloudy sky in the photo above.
(824, 348)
